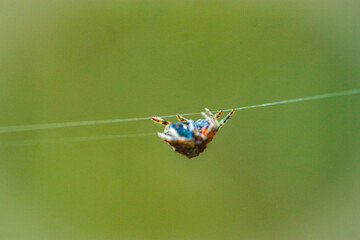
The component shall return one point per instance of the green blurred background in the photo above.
(282, 172)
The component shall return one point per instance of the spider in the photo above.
(188, 137)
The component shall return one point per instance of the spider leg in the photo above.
(212, 124)
(172, 132)
(161, 121)
(169, 138)
(222, 122)
(209, 119)
(181, 118)
(211, 115)
(218, 115)
(191, 126)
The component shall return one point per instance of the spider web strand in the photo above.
(21, 128)
(21, 143)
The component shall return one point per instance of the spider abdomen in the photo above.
(189, 151)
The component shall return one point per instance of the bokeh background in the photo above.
(282, 172)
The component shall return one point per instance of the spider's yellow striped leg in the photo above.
(181, 118)
(161, 121)
(219, 113)
(222, 122)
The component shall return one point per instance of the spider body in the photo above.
(189, 137)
